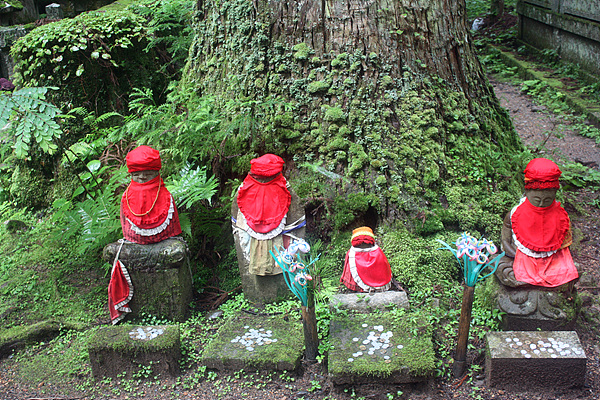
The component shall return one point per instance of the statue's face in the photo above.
(263, 179)
(144, 176)
(541, 197)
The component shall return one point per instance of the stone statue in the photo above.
(536, 236)
(158, 268)
(266, 213)
(366, 268)
(148, 212)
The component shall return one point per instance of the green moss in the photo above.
(29, 187)
(116, 338)
(347, 210)
(416, 354)
(302, 51)
(286, 351)
(318, 87)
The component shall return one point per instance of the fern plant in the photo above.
(30, 119)
(93, 222)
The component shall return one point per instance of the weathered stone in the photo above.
(525, 359)
(375, 347)
(570, 27)
(530, 308)
(266, 288)
(54, 11)
(236, 345)
(19, 336)
(161, 277)
(363, 302)
(141, 351)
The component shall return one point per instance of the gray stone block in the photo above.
(363, 302)
(135, 351)
(534, 359)
(161, 277)
(237, 346)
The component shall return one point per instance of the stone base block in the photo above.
(135, 351)
(377, 348)
(161, 277)
(528, 359)
(531, 309)
(365, 302)
(256, 342)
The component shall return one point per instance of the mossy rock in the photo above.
(282, 350)
(127, 349)
(19, 336)
(409, 357)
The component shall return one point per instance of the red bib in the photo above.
(365, 269)
(148, 212)
(264, 205)
(540, 228)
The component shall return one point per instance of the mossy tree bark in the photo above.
(384, 101)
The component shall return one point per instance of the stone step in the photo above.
(129, 351)
(256, 342)
(378, 347)
(534, 358)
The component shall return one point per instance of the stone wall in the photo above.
(8, 35)
(571, 27)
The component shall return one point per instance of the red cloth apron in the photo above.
(264, 204)
(160, 223)
(371, 268)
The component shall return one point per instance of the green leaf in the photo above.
(94, 165)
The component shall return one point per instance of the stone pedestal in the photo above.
(365, 302)
(530, 308)
(161, 277)
(373, 347)
(526, 359)
(135, 351)
(256, 342)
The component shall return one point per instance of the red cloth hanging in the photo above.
(120, 292)
(264, 204)
(540, 228)
(554, 270)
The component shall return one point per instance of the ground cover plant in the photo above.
(51, 269)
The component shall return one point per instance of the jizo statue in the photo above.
(366, 268)
(148, 215)
(265, 213)
(537, 233)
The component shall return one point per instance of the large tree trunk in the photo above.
(388, 95)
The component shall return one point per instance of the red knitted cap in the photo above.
(542, 173)
(143, 158)
(267, 165)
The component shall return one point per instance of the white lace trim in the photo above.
(520, 245)
(154, 231)
(354, 272)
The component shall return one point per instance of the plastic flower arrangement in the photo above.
(295, 263)
(474, 256)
